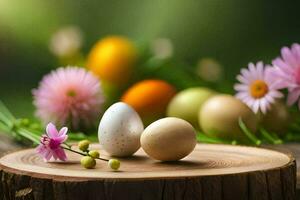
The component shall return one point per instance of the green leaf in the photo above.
(248, 133)
(4, 127)
(292, 137)
(201, 137)
(6, 112)
(28, 135)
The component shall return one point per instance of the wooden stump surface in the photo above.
(292, 149)
(210, 172)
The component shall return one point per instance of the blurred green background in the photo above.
(234, 32)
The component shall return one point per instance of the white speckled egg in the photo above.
(120, 129)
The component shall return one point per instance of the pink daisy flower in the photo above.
(257, 89)
(287, 70)
(70, 95)
(50, 143)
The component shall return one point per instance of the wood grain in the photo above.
(293, 149)
(210, 172)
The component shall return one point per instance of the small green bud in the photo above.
(94, 154)
(88, 162)
(25, 122)
(35, 126)
(84, 145)
(114, 164)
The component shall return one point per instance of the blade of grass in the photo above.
(6, 112)
(201, 137)
(4, 127)
(28, 135)
(248, 133)
(5, 120)
(269, 137)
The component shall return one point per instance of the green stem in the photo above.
(248, 133)
(103, 159)
(68, 145)
(80, 153)
(69, 149)
(269, 137)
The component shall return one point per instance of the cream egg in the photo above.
(219, 117)
(169, 139)
(120, 129)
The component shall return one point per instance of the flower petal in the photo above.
(61, 155)
(282, 65)
(41, 149)
(242, 95)
(276, 94)
(62, 138)
(260, 70)
(255, 106)
(263, 106)
(63, 131)
(241, 87)
(246, 73)
(48, 155)
(51, 131)
(242, 79)
(54, 155)
(296, 51)
(252, 70)
(288, 56)
(293, 96)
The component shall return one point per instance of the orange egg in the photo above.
(149, 98)
(112, 59)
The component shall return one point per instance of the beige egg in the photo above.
(277, 118)
(169, 139)
(219, 117)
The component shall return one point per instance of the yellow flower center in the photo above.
(258, 89)
(71, 93)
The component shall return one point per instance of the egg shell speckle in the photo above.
(120, 129)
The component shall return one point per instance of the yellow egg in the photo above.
(112, 59)
(169, 139)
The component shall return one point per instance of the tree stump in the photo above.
(209, 172)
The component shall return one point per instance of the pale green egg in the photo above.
(186, 104)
